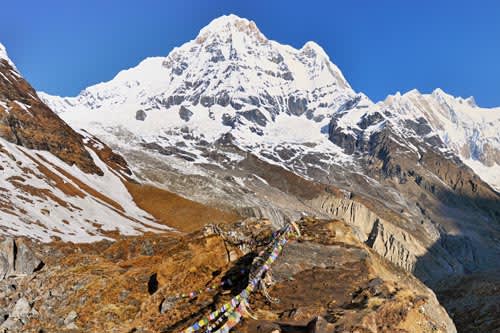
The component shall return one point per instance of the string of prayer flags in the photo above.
(233, 311)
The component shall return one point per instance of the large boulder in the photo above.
(7, 250)
(17, 258)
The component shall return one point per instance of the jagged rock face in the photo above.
(27, 121)
(329, 274)
(389, 156)
(399, 144)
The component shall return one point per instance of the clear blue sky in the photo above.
(381, 46)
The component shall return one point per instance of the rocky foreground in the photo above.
(325, 281)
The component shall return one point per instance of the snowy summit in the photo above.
(232, 79)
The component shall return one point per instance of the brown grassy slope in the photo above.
(175, 211)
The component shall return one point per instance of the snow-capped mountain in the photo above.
(437, 119)
(234, 120)
(232, 65)
(54, 182)
(229, 79)
(232, 79)
(242, 124)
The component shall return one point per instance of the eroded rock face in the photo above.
(437, 195)
(393, 243)
(326, 281)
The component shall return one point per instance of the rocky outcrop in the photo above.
(327, 279)
(184, 113)
(329, 259)
(393, 243)
(16, 258)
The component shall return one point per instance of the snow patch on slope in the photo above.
(36, 205)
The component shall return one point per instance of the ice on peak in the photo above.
(471, 101)
(438, 92)
(412, 92)
(228, 24)
(3, 52)
(398, 96)
(224, 20)
(313, 46)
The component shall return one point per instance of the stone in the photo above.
(72, 326)
(70, 318)
(297, 106)
(22, 309)
(26, 261)
(185, 113)
(140, 115)
(4, 315)
(207, 101)
(223, 99)
(319, 325)
(11, 325)
(167, 304)
(255, 116)
(228, 120)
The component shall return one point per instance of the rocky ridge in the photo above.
(349, 287)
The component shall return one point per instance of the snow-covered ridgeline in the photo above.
(232, 79)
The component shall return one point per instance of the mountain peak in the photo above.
(439, 94)
(313, 47)
(226, 25)
(3, 55)
(226, 19)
